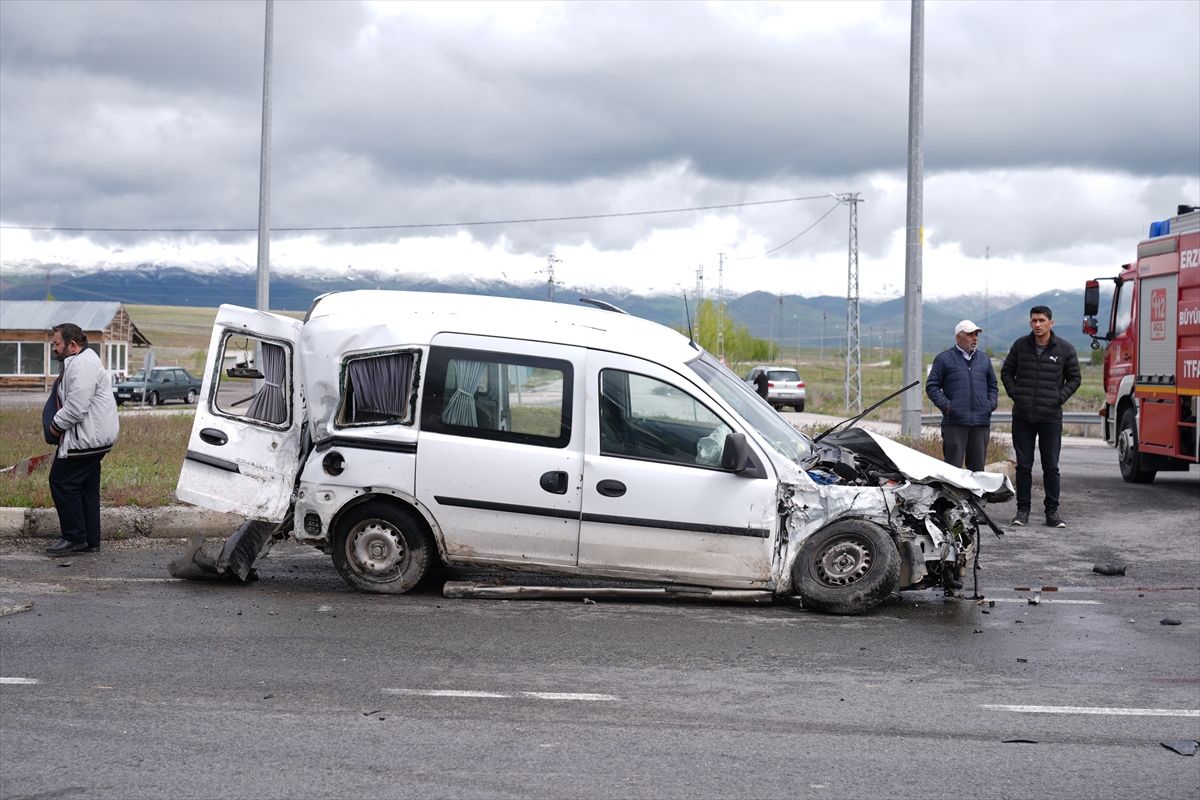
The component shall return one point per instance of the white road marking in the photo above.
(121, 580)
(586, 696)
(19, 681)
(1045, 601)
(445, 693)
(568, 696)
(1119, 712)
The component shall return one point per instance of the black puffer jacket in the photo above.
(1039, 385)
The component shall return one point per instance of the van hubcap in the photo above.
(376, 549)
(844, 562)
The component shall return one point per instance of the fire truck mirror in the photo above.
(1091, 302)
(1091, 328)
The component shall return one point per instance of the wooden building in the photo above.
(27, 328)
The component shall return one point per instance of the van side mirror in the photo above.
(735, 457)
(1091, 300)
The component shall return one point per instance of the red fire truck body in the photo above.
(1152, 365)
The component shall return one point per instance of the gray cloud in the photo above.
(147, 115)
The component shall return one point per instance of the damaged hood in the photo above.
(992, 486)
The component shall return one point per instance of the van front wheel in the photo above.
(381, 550)
(846, 568)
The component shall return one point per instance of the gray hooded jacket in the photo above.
(88, 417)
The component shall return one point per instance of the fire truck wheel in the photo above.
(846, 568)
(381, 550)
(1127, 451)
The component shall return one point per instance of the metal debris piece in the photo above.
(465, 589)
(1182, 746)
(14, 608)
(65, 563)
(1019, 741)
(324, 609)
(1109, 569)
(1169, 621)
(587, 601)
(1037, 598)
(1023, 660)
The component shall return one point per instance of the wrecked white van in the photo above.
(395, 429)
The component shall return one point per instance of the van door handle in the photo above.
(554, 482)
(610, 488)
(213, 436)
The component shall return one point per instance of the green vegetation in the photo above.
(740, 346)
(141, 470)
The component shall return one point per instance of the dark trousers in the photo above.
(75, 487)
(967, 442)
(1049, 440)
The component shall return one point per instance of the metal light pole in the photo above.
(262, 293)
(910, 401)
(721, 307)
(853, 319)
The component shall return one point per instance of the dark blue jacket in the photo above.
(965, 391)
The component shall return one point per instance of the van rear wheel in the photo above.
(381, 550)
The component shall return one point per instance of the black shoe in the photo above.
(1021, 518)
(64, 547)
(1053, 520)
(95, 549)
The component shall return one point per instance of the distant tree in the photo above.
(740, 346)
(1097, 359)
(49, 297)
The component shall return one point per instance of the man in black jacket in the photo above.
(1040, 373)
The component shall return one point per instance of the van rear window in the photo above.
(500, 396)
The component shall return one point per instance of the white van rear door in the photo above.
(244, 451)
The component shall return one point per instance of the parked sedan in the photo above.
(785, 387)
(166, 383)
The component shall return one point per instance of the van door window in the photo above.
(641, 417)
(378, 389)
(249, 390)
(500, 396)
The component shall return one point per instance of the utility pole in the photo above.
(721, 307)
(910, 401)
(262, 290)
(853, 328)
(987, 260)
(823, 315)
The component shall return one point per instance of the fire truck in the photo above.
(1152, 365)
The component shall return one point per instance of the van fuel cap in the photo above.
(334, 464)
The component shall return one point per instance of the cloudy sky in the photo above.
(1055, 133)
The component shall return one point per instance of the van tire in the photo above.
(381, 550)
(800, 407)
(846, 568)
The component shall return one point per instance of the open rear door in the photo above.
(245, 445)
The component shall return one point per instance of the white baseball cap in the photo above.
(966, 326)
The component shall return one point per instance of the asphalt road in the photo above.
(295, 686)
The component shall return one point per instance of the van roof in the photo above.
(416, 317)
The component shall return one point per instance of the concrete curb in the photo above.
(168, 522)
(1006, 467)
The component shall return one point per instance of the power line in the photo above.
(432, 224)
(794, 238)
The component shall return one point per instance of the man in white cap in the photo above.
(963, 385)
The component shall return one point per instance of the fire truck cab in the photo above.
(1152, 364)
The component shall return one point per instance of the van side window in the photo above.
(250, 391)
(500, 396)
(377, 389)
(642, 417)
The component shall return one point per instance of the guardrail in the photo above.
(1005, 417)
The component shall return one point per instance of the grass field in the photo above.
(141, 470)
(179, 335)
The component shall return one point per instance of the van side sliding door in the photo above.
(500, 454)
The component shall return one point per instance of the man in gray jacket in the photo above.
(86, 427)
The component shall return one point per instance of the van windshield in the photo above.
(787, 441)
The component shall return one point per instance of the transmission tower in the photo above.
(853, 345)
(721, 307)
(551, 284)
